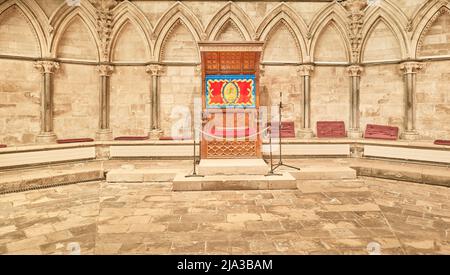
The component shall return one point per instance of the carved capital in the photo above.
(355, 70)
(154, 70)
(104, 5)
(198, 70)
(305, 70)
(47, 67)
(411, 67)
(355, 6)
(105, 70)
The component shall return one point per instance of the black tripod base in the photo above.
(194, 176)
(272, 174)
(285, 165)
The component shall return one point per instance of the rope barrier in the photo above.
(221, 137)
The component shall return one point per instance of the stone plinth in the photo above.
(324, 173)
(122, 175)
(232, 167)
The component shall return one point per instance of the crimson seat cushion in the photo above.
(174, 138)
(331, 129)
(2, 145)
(74, 140)
(442, 142)
(132, 138)
(381, 132)
(287, 129)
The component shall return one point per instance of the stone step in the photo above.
(324, 173)
(234, 182)
(141, 175)
(48, 178)
(209, 167)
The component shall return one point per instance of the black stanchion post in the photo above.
(280, 161)
(194, 162)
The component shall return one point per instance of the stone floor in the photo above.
(322, 217)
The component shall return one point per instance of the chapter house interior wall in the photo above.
(294, 34)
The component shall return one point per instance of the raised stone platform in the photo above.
(128, 173)
(324, 173)
(234, 182)
(232, 167)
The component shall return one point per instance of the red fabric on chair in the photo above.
(74, 140)
(3, 146)
(331, 129)
(132, 138)
(381, 132)
(442, 142)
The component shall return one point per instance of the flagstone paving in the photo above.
(321, 217)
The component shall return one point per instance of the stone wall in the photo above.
(166, 33)
(20, 91)
(433, 100)
(76, 101)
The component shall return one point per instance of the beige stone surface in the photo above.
(321, 217)
(167, 33)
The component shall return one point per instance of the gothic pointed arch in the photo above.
(179, 44)
(394, 19)
(437, 44)
(281, 45)
(282, 13)
(230, 13)
(331, 23)
(62, 18)
(382, 41)
(129, 18)
(32, 15)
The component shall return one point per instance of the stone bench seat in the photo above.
(374, 131)
(132, 138)
(74, 140)
(442, 142)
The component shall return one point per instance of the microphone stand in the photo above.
(194, 163)
(280, 160)
(272, 170)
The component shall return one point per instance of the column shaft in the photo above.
(104, 132)
(155, 100)
(47, 68)
(355, 75)
(305, 73)
(410, 70)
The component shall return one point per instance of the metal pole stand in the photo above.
(272, 170)
(280, 161)
(194, 172)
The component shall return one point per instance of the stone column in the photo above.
(155, 122)
(355, 77)
(104, 130)
(47, 69)
(305, 73)
(410, 70)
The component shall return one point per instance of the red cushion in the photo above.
(331, 129)
(442, 142)
(287, 129)
(74, 140)
(174, 138)
(132, 138)
(381, 132)
(2, 145)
